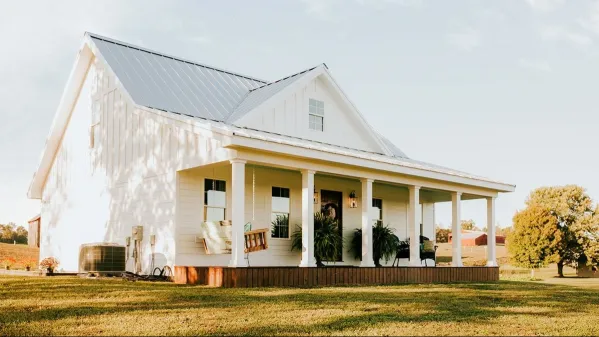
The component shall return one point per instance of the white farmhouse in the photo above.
(141, 138)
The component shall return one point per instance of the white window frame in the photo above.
(378, 219)
(221, 204)
(278, 212)
(315, 110)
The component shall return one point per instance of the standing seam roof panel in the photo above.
(191, 88)
(153, 96)
(173, 85)
(118, 67)
(167, 83)
(209, 110)
(152, 68)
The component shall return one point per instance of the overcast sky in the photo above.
(504, 89)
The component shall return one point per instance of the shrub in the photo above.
(9, 262)
(49, 263)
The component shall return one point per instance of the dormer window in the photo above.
(316, 115)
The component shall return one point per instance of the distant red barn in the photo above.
(477, 238)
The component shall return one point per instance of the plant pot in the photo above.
(7, 267)
(50, 271)
(28, 268)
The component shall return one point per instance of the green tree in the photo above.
(21, 235)
(469, 225)
(533, 242)
(442, 235)
(7, 233)
(566, 238)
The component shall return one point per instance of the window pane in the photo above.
(280, 225)
(285, 192)
(280, 205)
(276, 191)
(215, 214)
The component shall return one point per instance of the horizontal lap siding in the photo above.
(333, 276)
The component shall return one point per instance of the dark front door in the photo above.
(331, 205)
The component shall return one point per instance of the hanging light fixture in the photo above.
(353, 201)
(315, 195)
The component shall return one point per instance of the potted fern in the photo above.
(328, 241)
(384, 244)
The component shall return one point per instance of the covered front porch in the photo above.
(246, 188)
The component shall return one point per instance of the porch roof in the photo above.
(395, 159)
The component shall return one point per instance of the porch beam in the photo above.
(308, 259)
(274, 160)
(491, 235)
(414, 225)
(367, 223)
(456, 233)
(238, 213)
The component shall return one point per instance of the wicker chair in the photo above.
(427, 251)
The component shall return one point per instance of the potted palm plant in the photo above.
(384, 244)
(328, 241)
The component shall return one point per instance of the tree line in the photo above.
(11, 233)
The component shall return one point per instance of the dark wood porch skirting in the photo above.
(330, 276)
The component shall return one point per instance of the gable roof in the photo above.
(259, 95)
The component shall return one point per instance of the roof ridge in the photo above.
(284, 78)
(132, 46)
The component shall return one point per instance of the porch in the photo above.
(329, 276)
(243, 191)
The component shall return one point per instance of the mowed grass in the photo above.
(19, 252)
(73, 306)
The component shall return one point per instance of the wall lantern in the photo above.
(315, 195)
(353, 201)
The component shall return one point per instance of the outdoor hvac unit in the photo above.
(102, 258)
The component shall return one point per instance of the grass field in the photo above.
(19, 252)
(73, 306)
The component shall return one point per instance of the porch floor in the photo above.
(329, 276)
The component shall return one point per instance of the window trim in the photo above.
(316, 115)
(288, 214)
(205, 201)
(381, 219)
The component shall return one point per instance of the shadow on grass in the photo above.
(36, 300)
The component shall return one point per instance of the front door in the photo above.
(331, 205)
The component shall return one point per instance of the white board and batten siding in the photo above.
(290, 117)
(128, 177)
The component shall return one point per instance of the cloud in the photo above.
(466, 38)
(560, 33)
(381, 3)
(198, 39)
(545, 5)
(322, 9)
(536, 65)
(591, 22)
(332, 10)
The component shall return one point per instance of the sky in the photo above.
(502, 89)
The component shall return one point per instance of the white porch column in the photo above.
(491, 239)
(414, 225)
(456, 233)
(308, 259)
(367, 222)
(238, 213)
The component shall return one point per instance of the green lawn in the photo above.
(73, 306)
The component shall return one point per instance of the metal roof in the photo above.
(172, 84)
(259, 95)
